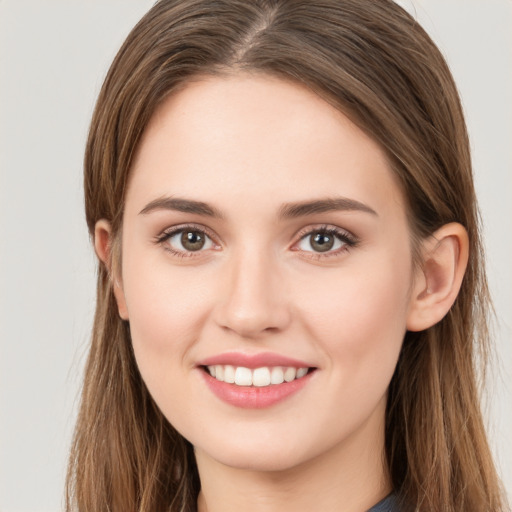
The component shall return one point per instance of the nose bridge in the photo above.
(254, 301)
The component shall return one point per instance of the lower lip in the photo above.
(253, 397)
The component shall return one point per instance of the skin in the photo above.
(246, 145)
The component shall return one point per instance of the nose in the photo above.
(254, 297)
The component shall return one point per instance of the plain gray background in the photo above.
(53, 57)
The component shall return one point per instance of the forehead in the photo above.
(259, 137)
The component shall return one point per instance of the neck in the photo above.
(351, 477)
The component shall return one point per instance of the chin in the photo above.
(257, 462)
(260, 456)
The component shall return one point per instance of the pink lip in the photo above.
(253, 360)
(251, 397)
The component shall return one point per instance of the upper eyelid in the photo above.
(324, 227)
(301, 233)
(183, 227)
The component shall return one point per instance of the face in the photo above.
(265, 241)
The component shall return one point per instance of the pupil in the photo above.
(192, 240)
(322, 242)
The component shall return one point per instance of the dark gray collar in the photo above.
(388, 504)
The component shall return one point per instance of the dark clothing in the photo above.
(388, 504)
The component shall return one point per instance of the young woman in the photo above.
(291, 293)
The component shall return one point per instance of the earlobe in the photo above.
(445, 257)
(103, 246)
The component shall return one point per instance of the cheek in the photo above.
(361, 321)
(167, 310)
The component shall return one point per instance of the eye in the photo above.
(183, 241)
(328, 240)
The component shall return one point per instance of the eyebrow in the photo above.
(329, 204)
(182, 205)
(286, 211)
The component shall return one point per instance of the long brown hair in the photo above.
(373, 62)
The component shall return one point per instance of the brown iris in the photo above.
(322, 242)
(192, 240)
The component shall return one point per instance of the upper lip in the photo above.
(253, 360)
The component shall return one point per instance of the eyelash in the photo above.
(348, 239)
(169, 233)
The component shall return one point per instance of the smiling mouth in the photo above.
(257, 377)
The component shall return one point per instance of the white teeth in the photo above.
(219, 372)
(243, 376)
(277, 375)
(259, 377)
(301, 372)
(229, 374)
(289, 374)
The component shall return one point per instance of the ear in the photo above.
(437, 282)
(103, 245)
